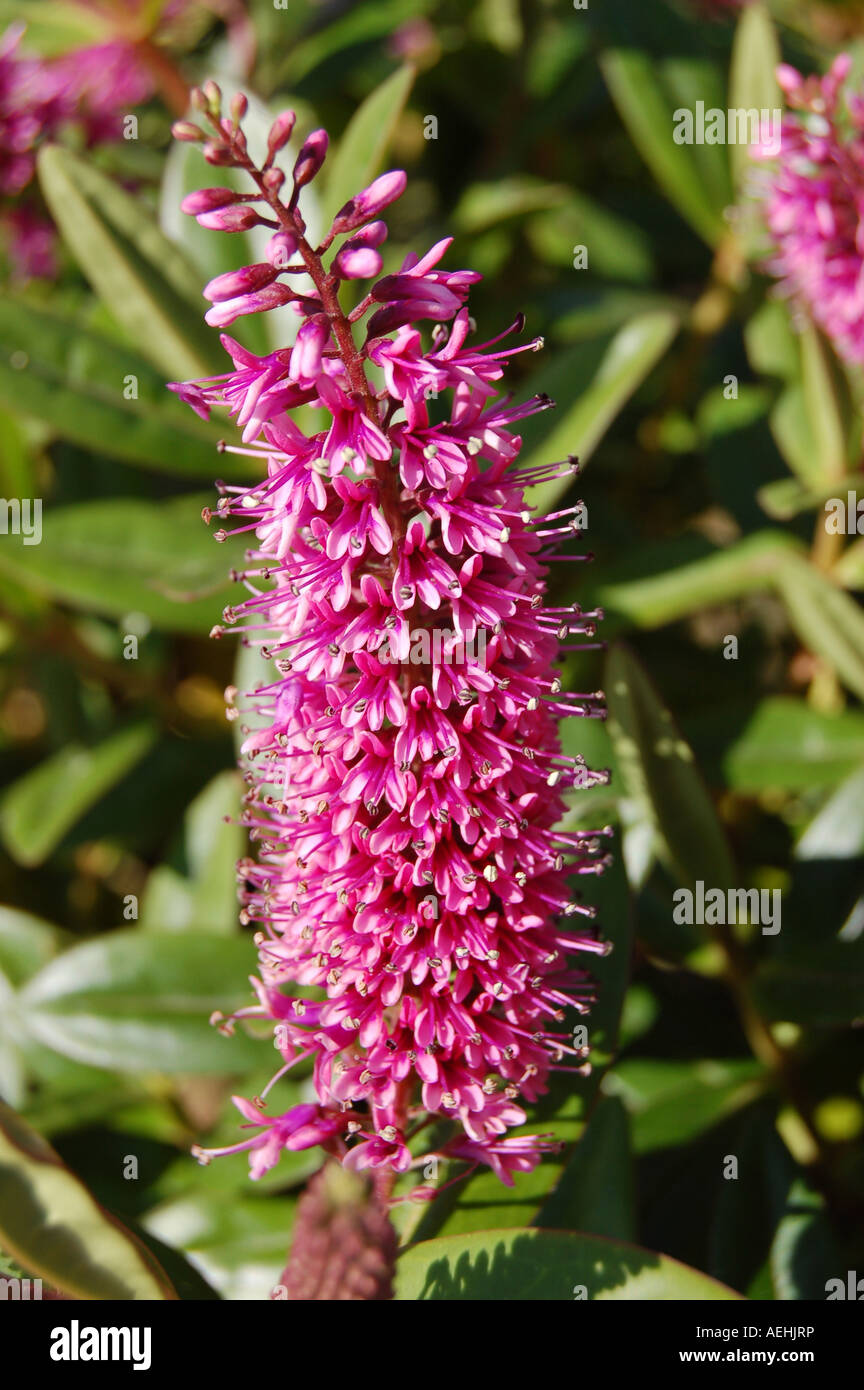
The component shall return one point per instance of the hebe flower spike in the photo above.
(403, 790)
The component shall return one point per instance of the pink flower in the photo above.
(406, 773)
(812, 194)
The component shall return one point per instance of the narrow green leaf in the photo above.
(752, 84)
(633, 352)
(659, 771)
(145, 281)
(647, 96)
(126, 556)
(827, 620)
(38, 809)
(547, 1266)
(362, 150)
(664, 591)
(58, 1232)
(821, 381)
(811, 419)
(141, 1001)
(95, 392)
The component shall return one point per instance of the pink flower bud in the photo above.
(274, 179)
(213, 93)
(370, 201)
(280, 248)
(237, 282)
(305, 366)
(206, 199)
(280, 132)
(186, 130)
(357, 262)
(310, 158)
(229, 219)
(271, 297)
(217, 153)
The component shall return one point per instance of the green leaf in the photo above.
(547, 1266)
(631, 355)
(804, 1253)
(77, 382)
(124, 556)
(659, 771)
(146, 282)
(752, 84)
(672, 1102)
(38, 809)
(133, 1001)
(362, 150)
(837, 831)
(811, 420)
(201, 894)
(649, 589)
(788, 497)
(26, 944)
(827, 620)
(822, 382)
(647, 94)
(782, 743)
(55, 1229)
(596, 1193)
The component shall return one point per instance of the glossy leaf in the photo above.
(135, 1000)
(52, 1225)
(548, 1266)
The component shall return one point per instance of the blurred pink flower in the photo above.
(812, 194)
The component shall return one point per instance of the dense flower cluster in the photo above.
(410, 882)
(813, 196)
